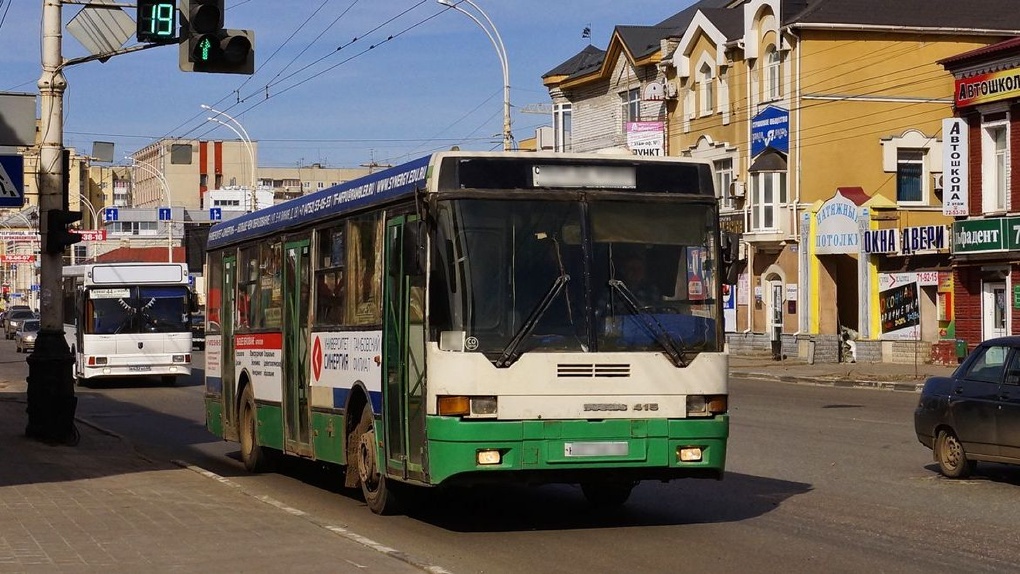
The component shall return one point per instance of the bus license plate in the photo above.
(596, 449)
(140, 368)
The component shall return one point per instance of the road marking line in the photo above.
(339, 531)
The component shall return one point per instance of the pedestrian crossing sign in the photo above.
(12, 181)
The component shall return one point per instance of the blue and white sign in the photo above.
(111, 214)
(770, 129)
(166, 214)
(215, 214)
(12, 181)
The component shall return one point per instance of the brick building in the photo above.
(986, 269)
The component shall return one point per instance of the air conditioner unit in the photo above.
(937, 181)
(737, 188)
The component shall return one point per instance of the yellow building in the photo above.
(823, 122)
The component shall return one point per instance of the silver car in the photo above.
(13, 320)
(24, 337)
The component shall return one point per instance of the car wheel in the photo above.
(951, 456)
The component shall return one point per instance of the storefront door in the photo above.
(994, 311)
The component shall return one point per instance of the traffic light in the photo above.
(208, 47)
(157, 22)
(58, 237)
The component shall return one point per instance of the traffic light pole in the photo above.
(51, 399)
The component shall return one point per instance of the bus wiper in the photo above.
(510, 354)
(673, 349)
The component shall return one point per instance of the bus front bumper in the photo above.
(464, 452)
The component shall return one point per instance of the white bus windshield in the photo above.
(145, 309)
(584, 275)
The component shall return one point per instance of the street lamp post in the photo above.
(166, 191)
(251, 159)
(243, 134)
(95, 220)
(497, 42)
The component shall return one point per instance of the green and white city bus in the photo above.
(478, 317)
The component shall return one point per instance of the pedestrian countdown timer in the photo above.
(157, 22)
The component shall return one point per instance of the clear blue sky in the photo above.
(436, 83)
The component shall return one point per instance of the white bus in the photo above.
(475, 317)
(126, 320)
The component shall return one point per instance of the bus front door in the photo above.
(296, 406)
(404, 352)
(226, 359)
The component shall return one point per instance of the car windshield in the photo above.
(30, 326)
(19, 314)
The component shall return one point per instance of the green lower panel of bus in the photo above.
(328, 437)
(270, 425)
(573, 451)
(214, 415)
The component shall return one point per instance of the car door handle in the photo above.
(958, 390)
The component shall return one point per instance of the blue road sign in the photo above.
(215, 213)
(165, 214)
(111, 214)
(12, 181)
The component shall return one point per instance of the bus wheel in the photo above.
(254, 456)
(607, 493)
(378, 495)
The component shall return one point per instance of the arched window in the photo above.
(707, 89)
(773, 76)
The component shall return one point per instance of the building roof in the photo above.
(588, 59)
(140, 254)
(993, 15)
(953, 15)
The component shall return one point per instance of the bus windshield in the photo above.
(582, 275)
(111, 311)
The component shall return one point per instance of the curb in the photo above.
(839, 383)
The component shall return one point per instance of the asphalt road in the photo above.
(819, 479)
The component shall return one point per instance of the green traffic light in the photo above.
(204, 48)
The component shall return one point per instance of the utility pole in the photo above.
(51, 400)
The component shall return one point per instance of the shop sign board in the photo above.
(955, 169)
(986, 235)
(836, 227)
(921, 238)
(770, 129)
(646, 138)
(899, 305)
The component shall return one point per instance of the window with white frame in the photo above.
(995, 163)
(773, 77)
(707, 89)
(910, 175)
(561, 126)
(631, 100)
(723, 179)
(768, 195)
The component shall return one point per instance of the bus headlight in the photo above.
(457, 405)
(706, 405)
(488, 457)
(688, 453)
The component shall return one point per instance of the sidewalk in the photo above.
(890, 376)
(102, 507)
